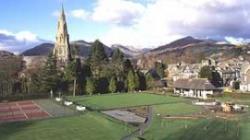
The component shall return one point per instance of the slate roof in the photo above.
(202, 84)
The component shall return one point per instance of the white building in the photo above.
(195, 88)
(245, 78)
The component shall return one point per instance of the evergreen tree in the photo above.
(49, 76)
(206, 72)
(127, 66)
(90, 86)
(150, 82)
(142, 81)
(117, 64)
(117, 56)
(98, 59)
(160, 69)
(73, 74)
(137, 81)
(113, 85)
(132, 81)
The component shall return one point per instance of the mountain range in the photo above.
(188, 49)
(191, 50)
(83, 47)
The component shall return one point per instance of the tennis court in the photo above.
(21, 110)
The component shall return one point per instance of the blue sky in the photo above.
(37, 17)
(137, 23)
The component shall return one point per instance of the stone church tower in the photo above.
(62, 50)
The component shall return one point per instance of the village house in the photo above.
(183, 71)
(195, 88)
(245, 78)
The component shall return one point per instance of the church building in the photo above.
(62, 50)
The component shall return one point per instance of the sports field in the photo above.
(114, 101)
(22, 110)
(89, 126)
(169, 122)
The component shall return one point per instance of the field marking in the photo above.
(27, 118)
(42, 109)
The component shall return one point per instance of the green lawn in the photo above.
(202, 129)
(124, 100)
(177, 109)
(235, 97)
(89, 126)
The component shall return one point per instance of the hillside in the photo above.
(177, 44)
(40, 50)
(129, 51)
(5, 54)
(82, 47)
(192, 50)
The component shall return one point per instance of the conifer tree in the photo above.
(117, 64)
(113, 85)
(160, 69)
(50, 75)
(97, 59)
(90, 86)
(132, 81)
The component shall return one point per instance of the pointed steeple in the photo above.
(62, 46)
(62, 16)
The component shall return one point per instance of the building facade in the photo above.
(195, 88)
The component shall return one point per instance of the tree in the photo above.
(150, 82)
(73, 73)
(206, 72)
(97, 59)
(127, 66)
(90, 86)
(113, 85)
(132, 81)
(50, 75)
(212, 75)
(117, 64)
(160, 69)
(142, 81)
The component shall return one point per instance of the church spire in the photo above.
(62, 13)
(62, 46)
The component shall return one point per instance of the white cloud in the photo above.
(161, 21)
(236, 41)
(26, 36)
(17, 41)
(122, 12)
(80, 14)
(150, 23)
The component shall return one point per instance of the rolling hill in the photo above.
(191, 50)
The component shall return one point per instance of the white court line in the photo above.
(22, 110)
(42, 108)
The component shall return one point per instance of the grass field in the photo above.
(176, 109)
(202, 129)
(235, 97)
(96, 126)
(124, 100)
(89, 126)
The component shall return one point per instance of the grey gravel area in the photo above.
(55, 109)
(125, 116)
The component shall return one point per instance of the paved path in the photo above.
(125, 116)
(54, 109)
(142, 127)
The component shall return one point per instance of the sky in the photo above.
(137, 23)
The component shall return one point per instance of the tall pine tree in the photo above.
(97, 59)
(50, 77)
(113, 85)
